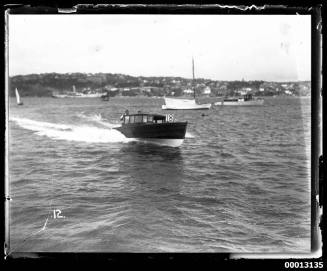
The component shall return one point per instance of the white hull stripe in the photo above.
(162, 141)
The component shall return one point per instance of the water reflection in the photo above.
(145, 149)
(155, 178)
(153, 167)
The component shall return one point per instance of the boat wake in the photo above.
(189, 135)
(80, 133)
(85, 132)
(97, 118)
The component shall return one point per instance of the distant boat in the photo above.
(89, 95)
(19, 102)
(184, 104)
(75, 94)
(153, 128)
(105, 96)
(246, 100)
(58, 95)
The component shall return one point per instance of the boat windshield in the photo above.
(138, 119)
(159, 119)
(144, 119)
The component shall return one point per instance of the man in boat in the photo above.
(125, 114)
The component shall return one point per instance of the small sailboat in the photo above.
(19, 102)
(184, 104)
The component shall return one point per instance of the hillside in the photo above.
(126, 85)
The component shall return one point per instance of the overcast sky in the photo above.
(225, 47)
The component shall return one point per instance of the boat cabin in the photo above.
(144, 118)
(248, 97)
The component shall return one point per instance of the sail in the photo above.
(17, 97)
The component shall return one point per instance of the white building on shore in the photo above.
(188, 91)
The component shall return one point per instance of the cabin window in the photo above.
(150, 118)
(131, 119)
(159, 119)
(126, 119)
(138, 119)
(145, 118)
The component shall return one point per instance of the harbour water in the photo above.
(239, 183)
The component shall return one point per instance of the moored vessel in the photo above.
(245, 100)
(184, 104)
(76, 94)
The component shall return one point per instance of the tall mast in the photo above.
(193, 77)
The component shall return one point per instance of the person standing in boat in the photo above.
(125, 114)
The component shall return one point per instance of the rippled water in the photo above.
(239, 183)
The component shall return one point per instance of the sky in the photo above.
(224, 47)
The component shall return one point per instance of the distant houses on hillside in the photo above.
(125, 85)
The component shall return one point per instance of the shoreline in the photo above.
(161, 97)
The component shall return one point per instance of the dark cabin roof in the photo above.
(147, 114)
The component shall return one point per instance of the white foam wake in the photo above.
(81, 133)
(189, 135)
(98, 119)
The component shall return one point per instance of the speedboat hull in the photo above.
(174, 130)
(169, 134)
